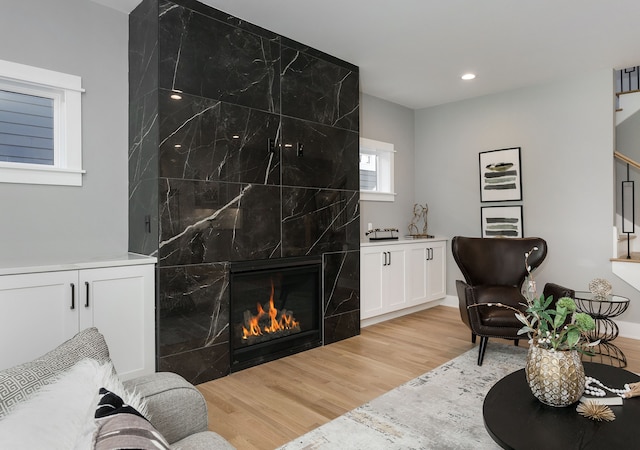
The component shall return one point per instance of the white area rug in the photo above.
(441, 409)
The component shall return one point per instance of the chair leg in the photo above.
(473, 337)
(516, 342)
(483, 347)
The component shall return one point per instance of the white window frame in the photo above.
(66, 91)
(384, 152)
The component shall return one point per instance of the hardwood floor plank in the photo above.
(266, 406)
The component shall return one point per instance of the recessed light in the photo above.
(468, 76)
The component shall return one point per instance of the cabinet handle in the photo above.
(389, 258)
(73, 296)
(86, 286)
(385, 259)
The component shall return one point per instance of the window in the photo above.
(376, 170)
(40, 126)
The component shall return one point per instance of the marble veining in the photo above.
(329, 157)
(317, 90)
(203, 56)
(193, 307)
(317, 220)
(212, 140)
(202, 221)
(341, 282)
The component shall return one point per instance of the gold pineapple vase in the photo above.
(556, 378)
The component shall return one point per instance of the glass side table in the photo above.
(603, 309)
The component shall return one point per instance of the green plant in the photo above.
(549, 328)
(559, 328)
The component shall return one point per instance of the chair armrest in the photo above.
(465, 298)
(176, 408)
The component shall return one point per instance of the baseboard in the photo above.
(402, 312)
(451, 301)
(629, 330)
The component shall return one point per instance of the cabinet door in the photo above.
(120, 302)
(418, 255)
(437, 272)
(371, 283)
(383, 285)
(39, 312)
(393, 280)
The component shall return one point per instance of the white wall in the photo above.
(81, 38)
(566, 132)
(388, 122)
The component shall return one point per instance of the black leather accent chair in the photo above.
(494, 271)
(556, 291)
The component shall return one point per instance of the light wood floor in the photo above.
(266, 406)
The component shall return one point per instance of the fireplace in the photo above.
(275, 309)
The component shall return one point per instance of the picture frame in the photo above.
(502, 221)
(500, 175)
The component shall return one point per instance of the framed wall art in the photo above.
(501, 221)
(500, 175)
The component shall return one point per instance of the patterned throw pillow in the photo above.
(20, 382)
(122, 426)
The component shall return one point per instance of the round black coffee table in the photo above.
(515, 419)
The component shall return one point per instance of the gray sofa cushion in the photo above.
(20, 382)
(206, 440)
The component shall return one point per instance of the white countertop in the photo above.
(400, 240)
(35, 265)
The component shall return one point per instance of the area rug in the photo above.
(441, 409)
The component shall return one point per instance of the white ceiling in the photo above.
(413, 52)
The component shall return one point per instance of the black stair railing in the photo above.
(628, 201)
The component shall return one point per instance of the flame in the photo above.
(274, 325)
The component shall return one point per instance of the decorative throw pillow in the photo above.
(111, 404)
(124, 431)
(120, 426)
(61, 414)
(19, 383)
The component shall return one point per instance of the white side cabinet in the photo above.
(42, 307)
(395, 275)
(383, 290)
(426, 275)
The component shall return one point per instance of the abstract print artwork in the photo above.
(501, 221)
(500, 178)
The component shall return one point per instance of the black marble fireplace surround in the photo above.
(256, 160)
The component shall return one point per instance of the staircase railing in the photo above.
(628, 80)
(626, 160)
(628, 200)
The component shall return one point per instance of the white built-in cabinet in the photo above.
(42, 306)
(395, 275)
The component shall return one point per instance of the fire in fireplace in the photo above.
(269, 323)
(275, 309)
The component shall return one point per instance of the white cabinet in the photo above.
(401, 274)
(42, 309)
(36, 314)
(426, 273)
(384, 288)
